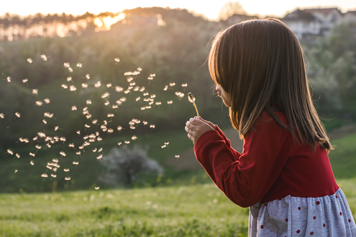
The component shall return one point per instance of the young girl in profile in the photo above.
(283, 173)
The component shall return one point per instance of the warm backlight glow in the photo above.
(105, 23)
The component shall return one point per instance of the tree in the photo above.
(229, 9)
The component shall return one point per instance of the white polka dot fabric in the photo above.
(295, 217)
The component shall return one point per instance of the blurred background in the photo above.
(94, 95)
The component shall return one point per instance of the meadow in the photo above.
(199, 209)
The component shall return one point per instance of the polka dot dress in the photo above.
(295, 217)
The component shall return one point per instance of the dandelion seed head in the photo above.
(44, 57)
(72, 88)
(191, 98)
(119, 88)
(98, 84)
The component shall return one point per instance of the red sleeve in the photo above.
(245, 179)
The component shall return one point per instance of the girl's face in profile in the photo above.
(224, 95)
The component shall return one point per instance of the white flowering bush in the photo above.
(124, 167)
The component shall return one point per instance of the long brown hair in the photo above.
(260, 64)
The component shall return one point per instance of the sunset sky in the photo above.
(208, 8)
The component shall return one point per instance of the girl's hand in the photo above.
(196, 126)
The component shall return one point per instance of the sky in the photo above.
(208, 8)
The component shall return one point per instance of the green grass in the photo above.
(343, 158)
(196, 210)
(199, 210)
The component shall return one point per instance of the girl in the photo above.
(283, 174)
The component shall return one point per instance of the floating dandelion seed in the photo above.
(139, 69)
(127, 91)
(108, 85)
(99, 139)
(165, 88)
(129, 79)
(84, 85)
(166, 143)
(152, 75)
(41, 134)
(133, 138)
(62, 153)
(86, 125)
(18, 114)
(38, 147)
(17, 155)
(75, 162)
(78, 153)
(119, 143)
(100, 150)
(79, 65)
(56, 128)
(70, 69)
(184, 84)
(8, 79)
(44, 175)
(170, 102)
(152, 126)
(94, 121)
(127, 142)
(44, 57)
(87, 76)
(99, 157)
(150, 78)
(143, 108)
(132, 84)
(142, 89)
(72, 88)
(39, 103)
(74, 108)
(16, 171)
(191, 99)
(35, 91)
(136, 88)
(119, 128)
(117, 60)
(55, 160)
(64, 86)
(2, 115)
(24, 80)
(123, 99)
(114, 106)
(48, 115)
(96, 188)
(105, 95)
(34, 139)
(32, 163)
(110, 130)
(158, 103)
(164, 146)
(62, 139)
(66, 170)
(119, 88)
(69, 78)
(172, 84)
(110, 115)
(98, 84)
(146, 94)
(66, 65)
(144, 122)
(107, 103)
(88, 102)
(29, 60)
(10, 152)
(67, 178)
(47, 101)
(53, 175)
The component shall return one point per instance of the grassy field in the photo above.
(196, 210)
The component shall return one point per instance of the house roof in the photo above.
(324, 11)
(351, 12)
(299, 15)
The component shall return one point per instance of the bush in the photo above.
(125, 166)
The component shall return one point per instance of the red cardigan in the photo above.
(271, 165)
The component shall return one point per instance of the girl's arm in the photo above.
(245, 180)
